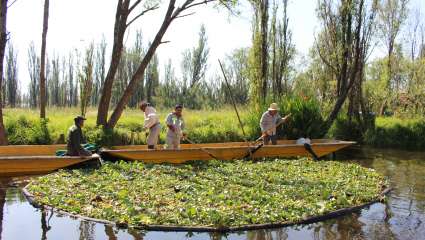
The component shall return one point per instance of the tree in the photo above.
(121, 23)
(85, 76)
(259, 52)
(152, 79)
(34, 73)
(171, 14)
(3, 40)
(283, 51)
(194, 66)
(236, 67)
(12, 94)
(43, 60)
(392, 15)
(135, 55)
(343, 45)
(54, 83)
(99, 71)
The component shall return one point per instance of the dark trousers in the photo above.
(268, 139)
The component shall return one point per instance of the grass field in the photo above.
(23, 126)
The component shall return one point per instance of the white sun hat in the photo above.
(273, 107)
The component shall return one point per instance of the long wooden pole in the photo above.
(233, 100)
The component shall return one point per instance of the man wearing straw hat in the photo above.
(268, 123)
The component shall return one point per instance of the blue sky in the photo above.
(74, 24)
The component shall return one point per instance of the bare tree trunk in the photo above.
(264, 49)
(139, 74)
(43, 61)
(119, 30)
(3, 40)
(171, 14)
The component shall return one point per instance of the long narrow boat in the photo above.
(22, 160)
(222, 151)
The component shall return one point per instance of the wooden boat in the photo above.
(222, 151)
(22, 160)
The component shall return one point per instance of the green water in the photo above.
(401, 217)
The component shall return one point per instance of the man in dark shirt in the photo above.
(75, 139)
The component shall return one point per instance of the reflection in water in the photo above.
(45, 225)
(86, 230)
(401, 217)
(110, 232)
(3, 187)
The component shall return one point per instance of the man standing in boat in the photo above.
(151, 123)
(268, 123)
(175, 126)
(76, 138)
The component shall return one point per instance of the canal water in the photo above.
(401, 217)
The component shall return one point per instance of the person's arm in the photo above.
(169, 122)
(263, 123)
(150, 120)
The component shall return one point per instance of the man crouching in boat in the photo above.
(76, 138)
(175, 126)
(268, 123)
(151, 123)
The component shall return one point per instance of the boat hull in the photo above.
(222, 151)
(22, 160)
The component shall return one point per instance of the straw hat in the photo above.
(273, 107)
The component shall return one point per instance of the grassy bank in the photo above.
(210, 193)
(24, 127)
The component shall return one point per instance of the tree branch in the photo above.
(142, 13)
(11, 4)
(192, 13)
(199, 3)
(134, 6)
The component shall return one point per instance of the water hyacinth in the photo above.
(210, 193)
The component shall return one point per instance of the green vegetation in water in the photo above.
(210, 193)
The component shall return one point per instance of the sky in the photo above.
(73, 25)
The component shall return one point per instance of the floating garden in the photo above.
(209, 195)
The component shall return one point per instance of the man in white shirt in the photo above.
(175, 126)
(269, 120)
(152, 123)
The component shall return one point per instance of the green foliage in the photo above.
(344, 129)
(28, 131)
(305, 121)
(209, 193)
(400, 133)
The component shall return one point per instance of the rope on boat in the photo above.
(223, 229)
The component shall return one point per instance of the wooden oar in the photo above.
(202, 149)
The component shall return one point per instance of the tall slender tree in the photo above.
(259, 55)
(3, 40)
(43, 61)
(392, 15)
(12, 94)
(86, 79)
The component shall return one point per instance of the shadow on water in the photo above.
(401, 217)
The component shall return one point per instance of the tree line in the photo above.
(338, 72)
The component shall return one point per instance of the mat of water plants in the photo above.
(213, 193)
